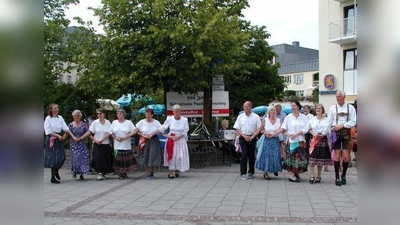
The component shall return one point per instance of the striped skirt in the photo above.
(125, 161)
(55, 157)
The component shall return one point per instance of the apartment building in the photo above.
(70, 77)
(337, 50)
(298, 67)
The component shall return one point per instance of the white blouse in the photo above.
(293, 125)
(121, 130)
(147, 127)
(177, 127)
(99, 130)
(54, 125)
(318, 126)
(271, 128)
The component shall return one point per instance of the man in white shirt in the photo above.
(341, 117)
(248, 126)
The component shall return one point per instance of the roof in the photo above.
(312, 65)
(291, 53)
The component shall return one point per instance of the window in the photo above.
(350, 71)
(287, 79)
(60, 78)
(298, 78)
(350, 14)
(350, 59)
(299, 93)
(69, 79)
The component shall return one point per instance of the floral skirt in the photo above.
(321, 156)
(296, 162)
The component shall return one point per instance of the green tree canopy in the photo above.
(177, 45)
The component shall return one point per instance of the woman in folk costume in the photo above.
(150, 152)
(176, 154)
(319, 149)
(293, 126)
(54, 153)
(121, 130)
(269, 156)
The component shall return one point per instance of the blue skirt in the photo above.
(270, 158)
(55, 157)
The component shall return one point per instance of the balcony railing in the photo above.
(343, 31)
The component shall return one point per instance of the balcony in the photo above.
(343, 31)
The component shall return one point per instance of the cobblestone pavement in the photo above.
(212, 195)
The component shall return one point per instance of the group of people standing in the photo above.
(116, 156)
(283, 143)
(326, 133)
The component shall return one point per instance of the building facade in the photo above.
(337, 50)
(299, 69)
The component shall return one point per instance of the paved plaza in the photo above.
(211, 195)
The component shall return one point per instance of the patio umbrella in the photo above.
(157, 108)
(108, 104)
(258, 110)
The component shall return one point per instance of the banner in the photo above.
(192, 105)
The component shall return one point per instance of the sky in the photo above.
(286, 20)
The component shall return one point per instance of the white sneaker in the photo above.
(243, 177)
(250, 176)
(99, 176)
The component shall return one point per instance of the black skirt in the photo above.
(54, 157)
(103, 158)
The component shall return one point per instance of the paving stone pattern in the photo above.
(208, 195)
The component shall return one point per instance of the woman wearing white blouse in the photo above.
(151, 155)
(296, 161)
(270, 155)
(176, 154)
(103, 157)
(319, 149)
(54, 154)
(121, 131)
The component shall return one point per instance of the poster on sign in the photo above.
(192, 105)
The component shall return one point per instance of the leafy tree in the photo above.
(177, 45)
(55, 49)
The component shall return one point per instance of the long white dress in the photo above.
(180, 157)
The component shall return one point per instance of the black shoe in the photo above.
(312, 180)
(276, 174)
(344, 181)
(297, 176)
(338, 183)
(266, 176)
(81, 177)
(317, 180)
(294, 180)
(74, 175)
(177, 173)
(171, 176)
(54, 180)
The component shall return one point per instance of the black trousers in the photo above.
(248, 152)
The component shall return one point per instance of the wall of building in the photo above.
(331, 55)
